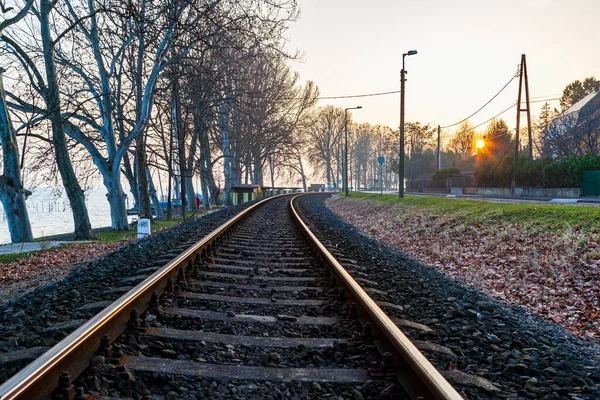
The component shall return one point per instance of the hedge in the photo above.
(545, 172)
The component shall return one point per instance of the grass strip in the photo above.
(547, 216)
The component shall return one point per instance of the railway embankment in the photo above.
(518, 351)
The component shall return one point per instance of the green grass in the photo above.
(114, 235)
(546, 215)
(107, 236)
(8, 258)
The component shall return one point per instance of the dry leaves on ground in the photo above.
(47, 266)
(553, 274)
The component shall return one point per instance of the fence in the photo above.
(440, 185)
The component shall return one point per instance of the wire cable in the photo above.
(507, 109)
(357, 95)
(482, 107)
(485, 122)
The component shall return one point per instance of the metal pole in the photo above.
(345, 177)
(529, 133)
(516, 160)
(381, 178)
(439, 150)
(401, 160)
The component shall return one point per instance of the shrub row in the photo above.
(545, 172)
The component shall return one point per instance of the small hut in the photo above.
(245, 193)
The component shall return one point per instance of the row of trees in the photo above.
(125, 89)
(133, 92)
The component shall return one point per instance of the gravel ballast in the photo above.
(524, 356)
(291, 346)
(43, 317)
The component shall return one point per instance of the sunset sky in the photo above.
(468, 50)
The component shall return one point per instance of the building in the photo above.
(245, 193)
(582, 112)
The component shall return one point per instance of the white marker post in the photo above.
(143, 227)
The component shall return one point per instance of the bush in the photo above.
(530, 172)
(494, 171)
(545, 172)
(445, 173)
(568, 172)
(498, 171)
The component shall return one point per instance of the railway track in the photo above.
(257, 309)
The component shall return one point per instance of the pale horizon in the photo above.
(468, 50)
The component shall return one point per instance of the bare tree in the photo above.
(12, 192)
(463, 140)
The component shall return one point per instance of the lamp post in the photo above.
(401, 161)
(346, 146)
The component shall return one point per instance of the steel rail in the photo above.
(74, 353)
(418, 376)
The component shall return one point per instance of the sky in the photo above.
(467, 51)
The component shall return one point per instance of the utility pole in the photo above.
(345, 171)
(345, 176)
(439, 150)
(522, 78)
(401, 160)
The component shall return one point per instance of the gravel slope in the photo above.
(524, 356)
(25, 321)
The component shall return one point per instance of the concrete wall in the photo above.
(565, 193)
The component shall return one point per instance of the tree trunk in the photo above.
(272, 171)
(226, 149)
(257, 176)
(328, 168)
(200, 131)
(204, 190)
(144, 210)
(13, 201)
(153, 194)
(131, 178)
(12, 193)
(189, 173)
(190, 193)
(116, 199)
(180, 149)
(83, 227)
(302, 173)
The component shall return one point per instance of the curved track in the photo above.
(257, 308)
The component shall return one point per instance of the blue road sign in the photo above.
(381, 160)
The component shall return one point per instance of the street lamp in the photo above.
(401, 161)
(346, 146)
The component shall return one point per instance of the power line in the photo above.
(357, 95)
(507, 109)
(495, 116)
(550, 95)
(482, 107)
(545, 100)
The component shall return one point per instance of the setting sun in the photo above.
(480, 144)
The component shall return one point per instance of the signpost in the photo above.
(381, 160)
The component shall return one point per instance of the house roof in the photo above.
(583, 102)
(583, 109)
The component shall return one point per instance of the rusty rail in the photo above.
(417, 375)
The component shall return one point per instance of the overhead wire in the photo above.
(542, 99)
(485, 105)
(495, 116)
(505, 110)
(357, 95)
